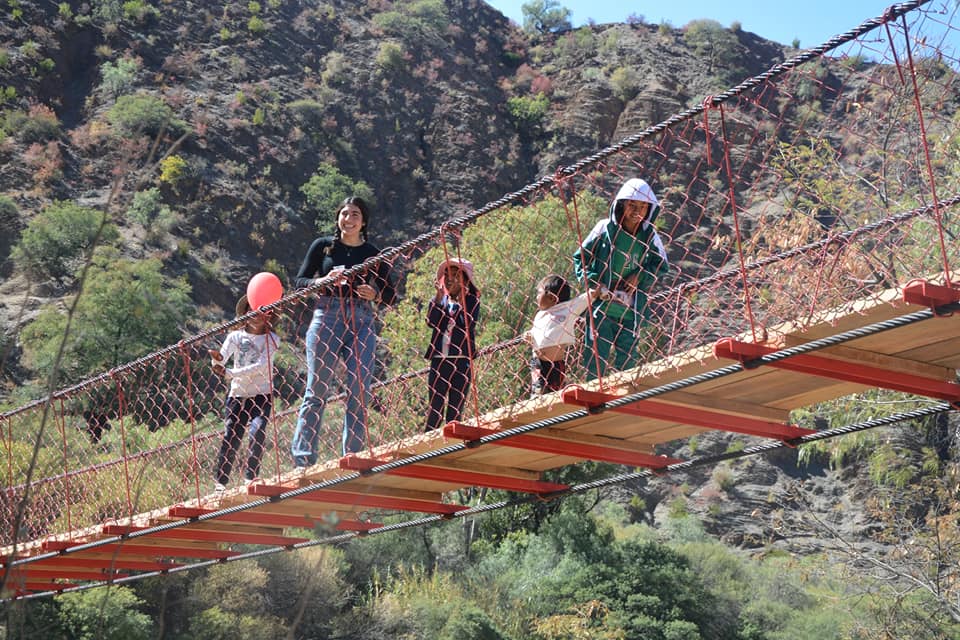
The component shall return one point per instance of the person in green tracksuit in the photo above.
(623, 256)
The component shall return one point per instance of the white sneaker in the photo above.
(219, 487)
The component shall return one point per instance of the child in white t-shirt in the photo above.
(553, 331)
(249, 399)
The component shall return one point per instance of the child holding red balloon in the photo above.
(250, 396)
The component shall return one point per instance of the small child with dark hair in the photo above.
(553, 331)
(452, 315)
(249, 399)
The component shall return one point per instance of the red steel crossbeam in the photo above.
(869, 375)
(207, 535)
(361, 499)
(927, 294)
(131, 548)
(687, 415)
(102, 563)
(272, 519)
(53, 574)
(454, 476)
(583, 450)
(42, 586)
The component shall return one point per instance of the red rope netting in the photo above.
(796, 193)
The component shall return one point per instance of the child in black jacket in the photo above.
(453, 315)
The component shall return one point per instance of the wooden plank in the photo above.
(944, 353)
(881, 360)
(311, 510)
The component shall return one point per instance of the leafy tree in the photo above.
(417, 22)
(710, 40)
(327, 188)
(127, 308)
(912, 591)
(55, 242)
(109, 613)
(232, 602)
(545, 16)
(313, 577)
(216, 624)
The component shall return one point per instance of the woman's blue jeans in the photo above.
(342, 330)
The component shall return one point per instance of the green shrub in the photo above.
(307, 111)
(38, 124)
(54, 243)
(256, 26)
(625, 83)
(390, 57)
(9, 220)
(109, 11)
(7, 94)
(327, 188)
(528, 112)
(149, 211)
(117, 77)
(139, 11)
(9, 212)
(173, 169)
(336, 69)
(397, 23)
(142, 113)
(431, 13)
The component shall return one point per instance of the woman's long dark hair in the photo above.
(361, 204)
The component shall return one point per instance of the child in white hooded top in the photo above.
(249, 398)
(553, 332)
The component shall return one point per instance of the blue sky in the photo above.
(812, 21)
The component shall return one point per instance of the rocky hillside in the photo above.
(247, 101)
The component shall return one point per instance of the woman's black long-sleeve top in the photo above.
(319, 262)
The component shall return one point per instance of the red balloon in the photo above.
(263, 289)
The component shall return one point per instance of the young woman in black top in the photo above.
(342, 329)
